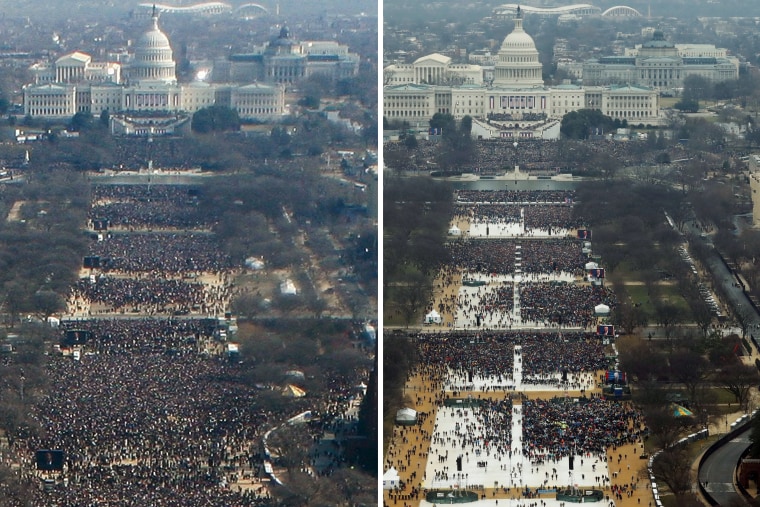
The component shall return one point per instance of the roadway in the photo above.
(717, 472)
(737, 299)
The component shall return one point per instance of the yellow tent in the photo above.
(292, 391)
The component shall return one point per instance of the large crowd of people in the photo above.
(491, 353)
(144, 428)
(179, 253)
(155, 410)
(148, 206)
(148, 296)
(563, 304)
(494, 156)
(514, 196)
(498, 256)
(524, 284)
(571, 352)
(557, 217)
(553, 255)
(483, 256)
(560, 427)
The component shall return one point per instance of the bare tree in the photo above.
(673, 467)
(690, 369)
(738, 380)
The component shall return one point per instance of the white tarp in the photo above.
(592, 265)
(455, 231)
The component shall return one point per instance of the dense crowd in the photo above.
(498, 256)
(514, 196)
(570, 352)
(561, 427)
(149, 295)
(494, 156)
(154, 411)
(161, 215)
(551, 217)
(483, 256)
(552, 255)
(150, 428)
(148, 206)
(179, 253)
(562, 304)
(177, 194)
(530, 281)
(119, 335)
(492, 353)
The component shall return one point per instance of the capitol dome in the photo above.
(518, 65)
(518, 39)
(153, 39)
(153, 58)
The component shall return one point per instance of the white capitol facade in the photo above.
(517, 96)
(146, 83)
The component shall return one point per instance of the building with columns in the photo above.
(286, 60)
(153, 58)
(75, 84)
(518, 65)
(660, 64)
(515, 98)
(76, 67)
(433, 69)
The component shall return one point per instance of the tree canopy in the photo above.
(215, 119)
(584, 122)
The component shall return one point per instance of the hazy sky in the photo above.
(104, 8)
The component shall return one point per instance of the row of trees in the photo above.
(307, 136)
(697, 368)
(585, 123)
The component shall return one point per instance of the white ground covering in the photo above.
(511, 230)
(465, 319)
(483, 464)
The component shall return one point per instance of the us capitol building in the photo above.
(515, 103)
(147, 83)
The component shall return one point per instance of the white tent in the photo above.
(455, 231)
(254, 263)
(297, 374)
(433, 318)
(288, 288)
(370, 332)
(406, 416)
(592, 265)
(602, 309)
(391, 480)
